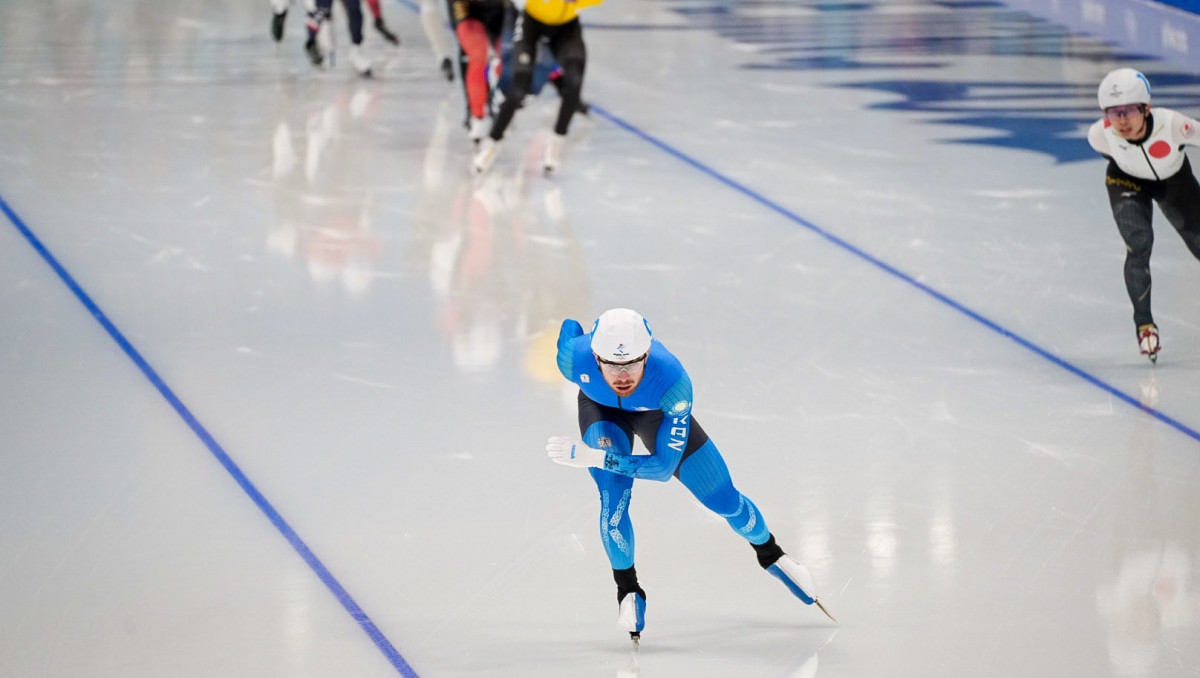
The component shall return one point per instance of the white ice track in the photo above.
(865, 228)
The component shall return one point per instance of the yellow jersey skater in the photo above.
(558, 22)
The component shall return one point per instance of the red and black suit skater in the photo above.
(478, 26)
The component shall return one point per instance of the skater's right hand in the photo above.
(571, 453)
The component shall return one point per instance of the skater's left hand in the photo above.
(572, 453)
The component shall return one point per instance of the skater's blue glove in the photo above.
(569, 330)
(567, 334)
(571, 453)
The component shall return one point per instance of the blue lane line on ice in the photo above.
(883, 265)
(217, 451)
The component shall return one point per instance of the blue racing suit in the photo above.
(659, 412)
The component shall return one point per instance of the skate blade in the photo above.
(818, 604)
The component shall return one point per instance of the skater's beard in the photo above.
(623, 385)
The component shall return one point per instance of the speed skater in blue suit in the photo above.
(630, 384)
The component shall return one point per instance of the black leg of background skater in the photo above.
(1180, 204)
(1132, 210)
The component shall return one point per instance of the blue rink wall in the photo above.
(1189, 5)
(991, 108)
(1168, 30)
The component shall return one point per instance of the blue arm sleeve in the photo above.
(566, 346)
(669, 444)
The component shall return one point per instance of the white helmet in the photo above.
(1124, 86)
(620, 335)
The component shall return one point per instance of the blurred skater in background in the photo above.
(558, 22)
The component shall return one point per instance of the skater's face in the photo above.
(1129, 120)
(624, 377)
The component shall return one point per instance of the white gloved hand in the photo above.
(570, 453)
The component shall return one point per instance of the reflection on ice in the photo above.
(504, 263)
(1150, 594)
(325, 214)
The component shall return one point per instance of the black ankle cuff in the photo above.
(768, 552)
(627, 583)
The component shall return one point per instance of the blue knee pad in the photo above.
(616, 530)
(704, 473)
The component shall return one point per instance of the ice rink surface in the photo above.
(276, 372)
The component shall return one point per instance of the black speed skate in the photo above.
(314, 51)
(385, 32)
(277, 22)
